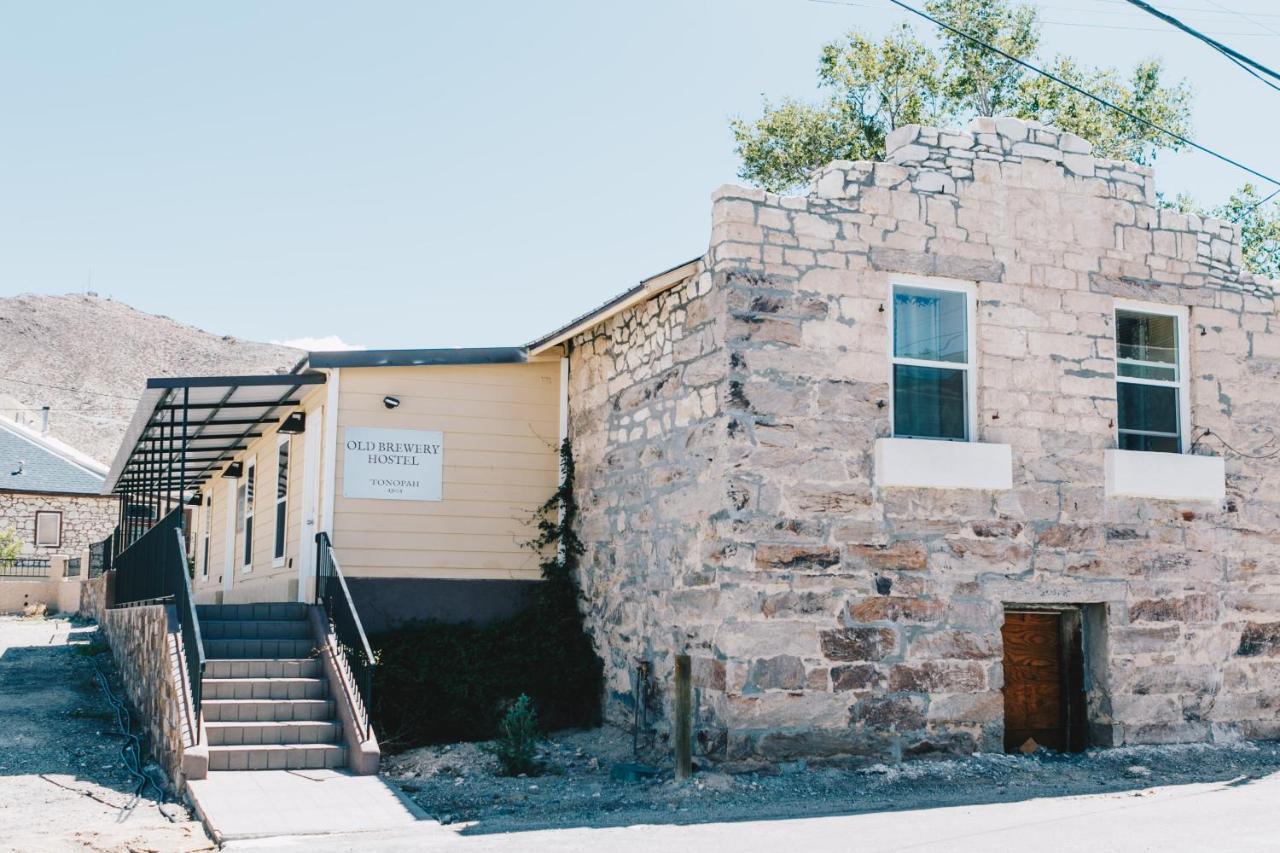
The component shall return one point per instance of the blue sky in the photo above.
(448, 174)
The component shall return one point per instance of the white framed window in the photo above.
(49, 529)
(282, 499)
(205, 525)
(933, 359)
(248, 486)
(1152, 405)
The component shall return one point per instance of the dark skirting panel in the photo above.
(385, 603)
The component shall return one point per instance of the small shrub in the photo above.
(517, 739)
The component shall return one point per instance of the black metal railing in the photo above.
(24, 567)
(73, 567)
(143, 569)
(100, 554)
(189, 623)
(334, 596)
(154, 570)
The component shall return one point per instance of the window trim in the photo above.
(970, 366)
(278, 560)
(250, 500)
(1182, 317)
(35, 533)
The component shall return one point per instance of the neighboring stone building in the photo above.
(50, 494)
(748, 494)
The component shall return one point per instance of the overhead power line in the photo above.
(1234, 55)
(1090, 95)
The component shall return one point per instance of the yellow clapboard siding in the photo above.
(402, 540)
(501, 428)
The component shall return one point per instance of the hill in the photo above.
(87, 359)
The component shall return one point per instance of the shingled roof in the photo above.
(30, 462)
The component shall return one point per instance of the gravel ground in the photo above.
(63, 781)
(459, 783)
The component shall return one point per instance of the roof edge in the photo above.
(645, 290)
(418, 357)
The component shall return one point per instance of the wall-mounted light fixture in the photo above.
(390, 402)
(295, 424)
(194, 500)
(234, 470)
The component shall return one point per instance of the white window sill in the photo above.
(928, 464)
(1165, 476)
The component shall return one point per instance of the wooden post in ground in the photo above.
(684, 719)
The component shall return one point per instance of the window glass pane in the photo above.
(929, 402)
(251, 484)
(929, 325)
(282, 471)
(1148, 408)
(239, 507)
(1146, 337)
(1147, 371)
(1151, 443)
(248, 540)
(48, 529)
(280, 522)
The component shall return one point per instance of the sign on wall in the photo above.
(392, 464)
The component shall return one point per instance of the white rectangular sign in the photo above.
(392, 464)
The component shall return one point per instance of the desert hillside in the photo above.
(87, 358)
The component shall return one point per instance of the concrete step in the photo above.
(311, 756)
(295, 648)
(254, 629)
(258, 734)
(264, 688)
(266, 710)
(278, 610)
(306, 667)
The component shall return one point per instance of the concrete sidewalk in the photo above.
(1238, 817)
(264, 803)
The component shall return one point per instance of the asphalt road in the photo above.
(1233, 817)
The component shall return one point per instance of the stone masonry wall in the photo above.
(644, 390)
(85, 519)
(753, 536)
(145, 645)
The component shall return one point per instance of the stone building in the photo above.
(938, 457)
(50, 494)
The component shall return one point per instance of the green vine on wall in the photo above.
(440, 682)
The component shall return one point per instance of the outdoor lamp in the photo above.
(294, 424)
(234, 470)
(390, 402)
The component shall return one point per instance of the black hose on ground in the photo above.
(131, 749)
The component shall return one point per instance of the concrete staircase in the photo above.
(265, 697)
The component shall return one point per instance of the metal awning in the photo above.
(185, 428)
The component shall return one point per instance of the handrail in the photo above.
(154, 569)
(333, 594)
(192, 642)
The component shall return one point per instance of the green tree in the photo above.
(978, 81)
(1259, 221)
(1259, 229)
(872, 87)
(10, 545)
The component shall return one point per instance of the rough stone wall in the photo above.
(647, 430)
(145, 646)
(85, 519)
(800, 653)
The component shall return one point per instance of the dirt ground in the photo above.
(459, 783)
(64, 784)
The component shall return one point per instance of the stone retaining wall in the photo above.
(724, 434)
(145, 645)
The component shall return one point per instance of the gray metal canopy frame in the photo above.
(182, 432)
